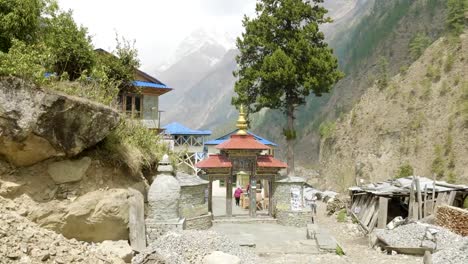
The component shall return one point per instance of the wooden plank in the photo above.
(370, 212)
(383, 210)
(440, 201)
(419, 197)
(433, 191)
(365, 207)
(451, 197)
(375, 218)
(229, 196)
(136, 220)
(429, 207)
(425, 202)
(210, 194)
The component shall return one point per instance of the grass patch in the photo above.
(433, 73)
(327, 129)
(449, 62)
(465, 204)
(341, 217)
(134, 146)
(339, 251)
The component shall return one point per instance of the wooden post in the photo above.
(270, 197)
(383, 210)
(426, 210)
(136, 220)
(433, 191)
(411, 202)
(229, 195)
(253, 196)
(210, 194)
(418, 190)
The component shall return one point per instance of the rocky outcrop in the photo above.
(36, 125)
(69, 170)
(22, 241)
(418, 121)
(97, 216)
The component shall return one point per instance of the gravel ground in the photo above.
(22, 241)
(354, 243)
(191, 246)
(411, 235)
(452, 255)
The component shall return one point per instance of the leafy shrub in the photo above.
(418, 45)
(438, 164)
(456, 16)
(405, 171)
(449, 62)
(327, 129)
(25, 61)
(433, 73)
(383, 78)
(403, 70)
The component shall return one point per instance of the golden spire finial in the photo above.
(241, 122)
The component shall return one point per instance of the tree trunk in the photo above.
(290, 140)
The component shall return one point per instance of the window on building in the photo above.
(222, 183)
(132, 105)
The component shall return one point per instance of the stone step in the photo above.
(325, 241)
(244, 220)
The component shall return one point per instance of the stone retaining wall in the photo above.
(294, 218)
(155, 229)
(199, 223)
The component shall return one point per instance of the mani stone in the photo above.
(68, 170)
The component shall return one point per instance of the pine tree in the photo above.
(283, 59)
(456, 15)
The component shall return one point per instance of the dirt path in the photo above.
(355, 243)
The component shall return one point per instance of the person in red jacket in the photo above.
(237, 195)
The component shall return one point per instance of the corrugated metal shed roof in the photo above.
(179, 129)
(403, 185)
(227, 136)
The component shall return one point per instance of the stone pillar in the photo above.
(283, 209)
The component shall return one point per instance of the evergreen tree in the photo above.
(456, 15)
(284, 58)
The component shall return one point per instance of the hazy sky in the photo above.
(157, 26)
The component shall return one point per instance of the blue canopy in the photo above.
(150, 85)
(179, 129)
(226, 137)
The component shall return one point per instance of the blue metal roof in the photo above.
(226, 137)
(150, 85)
(179, 129)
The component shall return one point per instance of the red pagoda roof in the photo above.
(267, 161)
(214, 161)
(247, 142)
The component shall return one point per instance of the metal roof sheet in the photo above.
(227, 136)
(150, 85)
(179, 129)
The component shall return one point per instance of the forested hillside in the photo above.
(381, 37)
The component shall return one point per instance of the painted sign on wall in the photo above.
(296, 200)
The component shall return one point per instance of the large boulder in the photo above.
(68, 170)
(119, 248)
(36, 125)
(97, 216)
